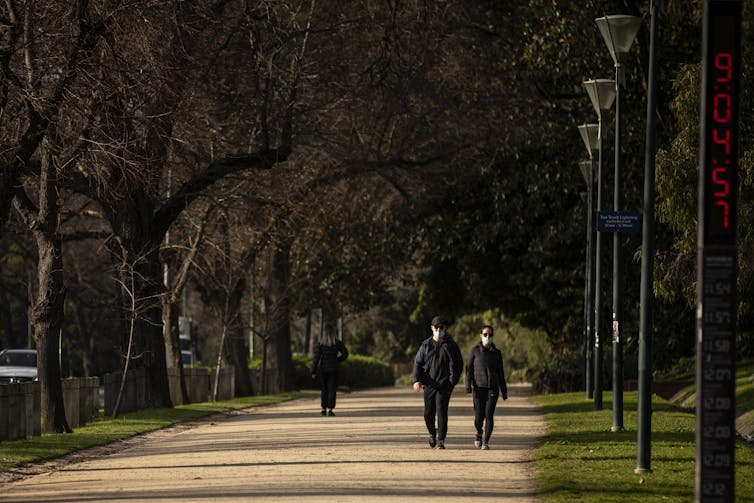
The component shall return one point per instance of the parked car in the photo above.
(18, 365)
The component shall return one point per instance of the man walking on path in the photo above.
(437, 369)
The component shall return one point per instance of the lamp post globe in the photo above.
(601, 93)
(590, 134)
(619, 32)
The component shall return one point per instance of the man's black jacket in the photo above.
(438, 364)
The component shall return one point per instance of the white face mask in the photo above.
(437, 333)
(486, 340)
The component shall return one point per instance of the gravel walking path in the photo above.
(374, 449)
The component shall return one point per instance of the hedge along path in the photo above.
(375, 449)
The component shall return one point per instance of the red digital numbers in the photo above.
(725, 140)
(724, 62)
(722, 110)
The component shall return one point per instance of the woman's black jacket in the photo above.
(327, 358)
(484, 369)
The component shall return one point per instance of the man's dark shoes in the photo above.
(478, 441)
(432, 442)
(441, 444)
(324, 412)
(330, 413)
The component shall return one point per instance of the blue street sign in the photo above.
(619, 221)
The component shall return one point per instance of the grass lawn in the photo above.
(580, 459)
(107, 430)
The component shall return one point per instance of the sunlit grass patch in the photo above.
(580, 459)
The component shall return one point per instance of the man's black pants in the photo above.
(485, 401)
(329, 385)
(436, 404)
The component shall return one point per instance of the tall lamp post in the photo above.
(602, 94)
(619, 33)
(646, 297)
(590, 136)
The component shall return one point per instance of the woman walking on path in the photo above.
(485, 375)
(328, 353)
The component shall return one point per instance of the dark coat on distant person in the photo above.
(328, 358)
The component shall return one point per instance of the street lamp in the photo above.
(602, 94)
(619, 33)
(590, 136)
(646, 296)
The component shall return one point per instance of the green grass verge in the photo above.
(744, 395)
(580, 459)
(106, 429)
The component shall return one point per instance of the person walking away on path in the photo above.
(328, 353)
(437, 369)
(485, 375)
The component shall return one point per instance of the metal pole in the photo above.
(590, 239)
(646, 295)
(587, 303)
(598, 278)
(617, 269)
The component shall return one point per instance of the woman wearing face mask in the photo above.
(485, 376)
(437, 369)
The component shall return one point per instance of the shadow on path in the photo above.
(374, 449)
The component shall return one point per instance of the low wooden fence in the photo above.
(20, 406)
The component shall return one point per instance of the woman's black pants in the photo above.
(485, 401)
(329, 385)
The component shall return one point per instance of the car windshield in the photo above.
(19, 359)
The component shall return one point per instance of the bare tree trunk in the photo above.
(235, 354)
(126, 363)
(279, 350)
(149, 341)
(173, 343)
(47, 311)
(143, 303)
(308, 346)
(48, 315)
(219, 361)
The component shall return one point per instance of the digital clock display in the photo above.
(717, 257)
(720, 122)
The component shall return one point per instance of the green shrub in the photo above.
(356, 372)
(302, 376)
(405, 381)
(365, 372)
(522, 348)
(559, 372)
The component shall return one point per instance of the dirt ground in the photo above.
(375, 449)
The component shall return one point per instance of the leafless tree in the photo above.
(47, 310)
(174, 284)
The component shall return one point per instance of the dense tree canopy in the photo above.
(383, 161)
